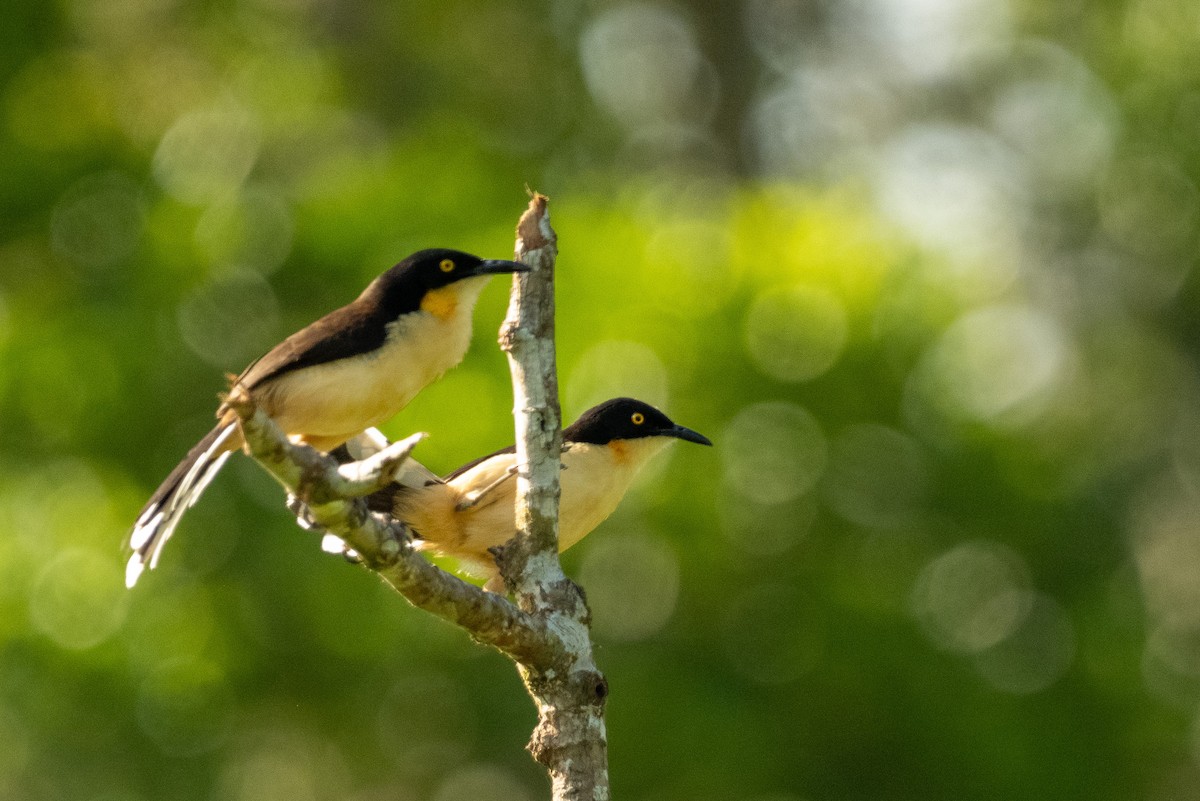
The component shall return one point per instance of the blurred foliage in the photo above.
(923, 269)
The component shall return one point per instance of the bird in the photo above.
(470, 510)
(350, 370)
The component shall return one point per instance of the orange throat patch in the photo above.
(620, 451)
(441, 303)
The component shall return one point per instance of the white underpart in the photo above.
(419, 348)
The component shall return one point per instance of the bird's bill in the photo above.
(685, 433)
(498, 266)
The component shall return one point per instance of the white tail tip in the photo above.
(133, 570)
(331, 543)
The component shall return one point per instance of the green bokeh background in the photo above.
(924, 271)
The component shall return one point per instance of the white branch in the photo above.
(361, 478)
(570, 737)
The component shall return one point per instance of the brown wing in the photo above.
(458, 471)
(343, 333)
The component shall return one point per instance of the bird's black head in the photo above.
(626, 418)
(439, 267)
(403, 287)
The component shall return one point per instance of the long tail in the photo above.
(173, 497)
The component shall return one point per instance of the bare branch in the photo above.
(361, 478)
(570, 739)
(384, 545)
(527, 336)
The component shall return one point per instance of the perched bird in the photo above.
(352, 369)
(471, 509)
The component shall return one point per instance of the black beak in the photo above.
(497, 266)
(682, 432)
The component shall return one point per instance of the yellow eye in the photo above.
(447, 265)
(638, 418)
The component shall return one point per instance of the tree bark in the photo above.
(570, 739)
